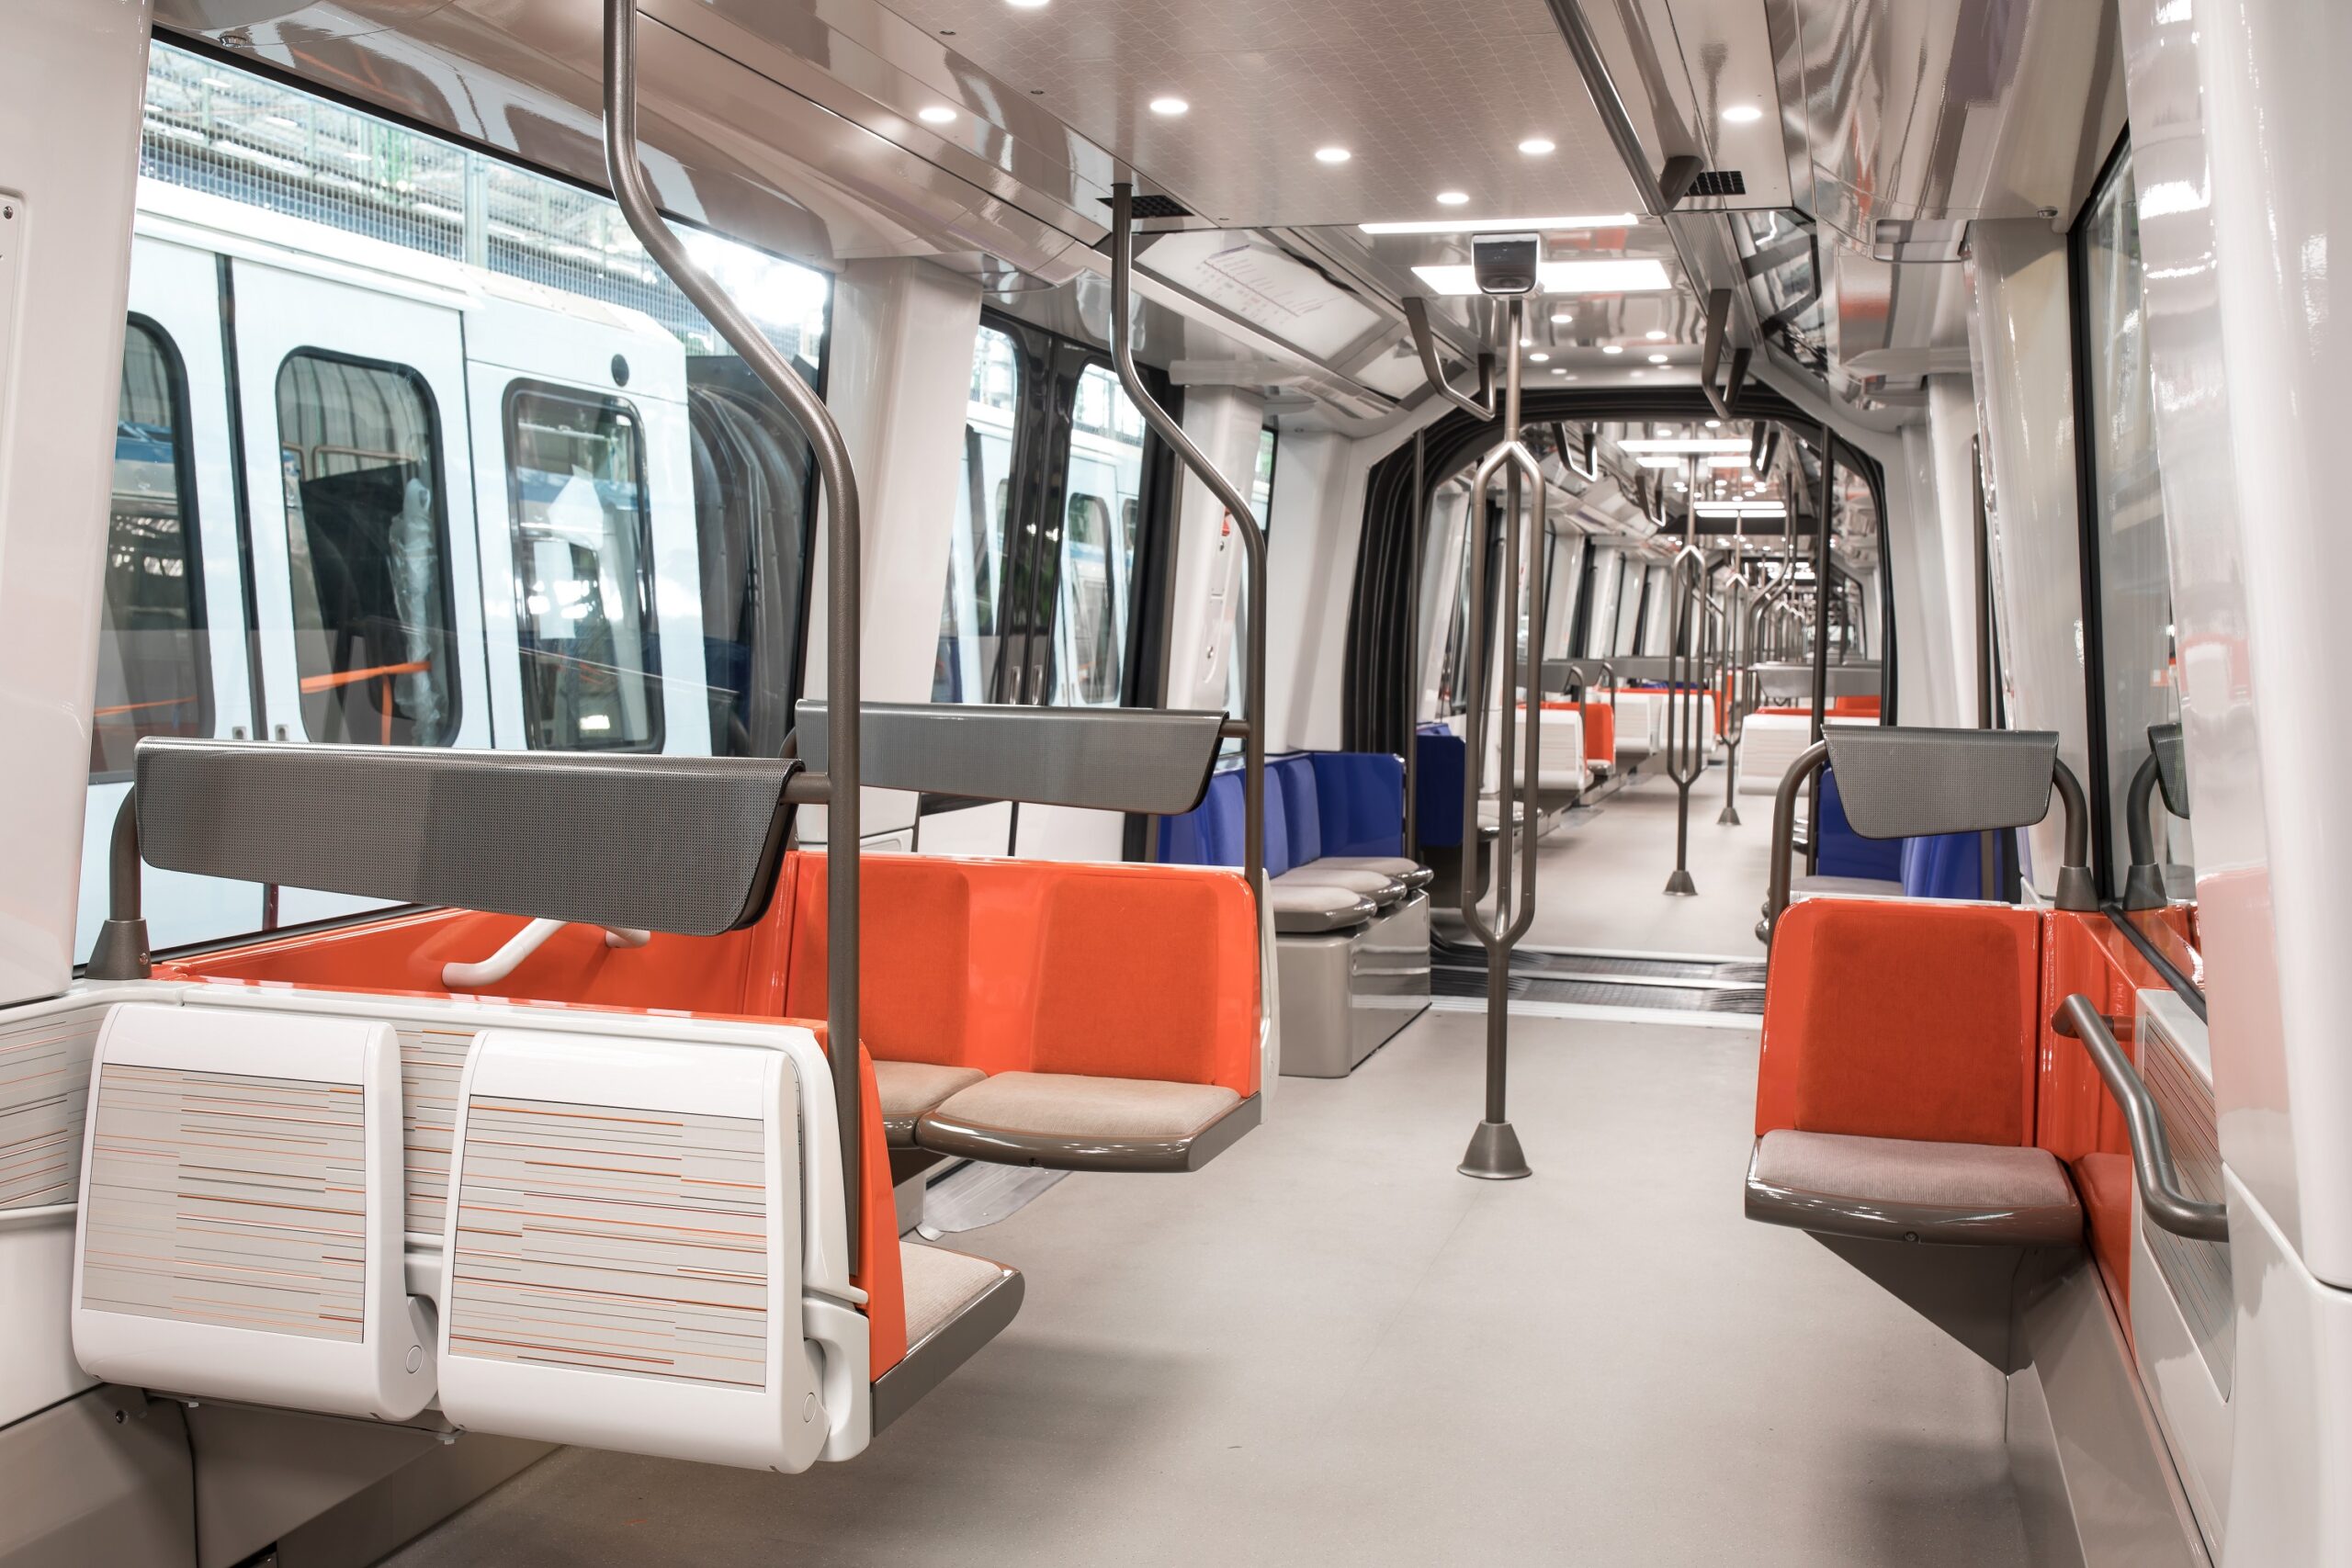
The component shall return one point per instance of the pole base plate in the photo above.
(1679, 884)
(1730, 818)
(1494, 1153)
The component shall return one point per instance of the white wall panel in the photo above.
(73, 76)
(1211, 582)
(2024, 363)
(898, 372)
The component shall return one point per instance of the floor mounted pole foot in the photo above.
(1494, 1153)
(1730, 818)
(1679, 884)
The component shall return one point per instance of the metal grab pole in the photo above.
(1735, 644)
(844, 548)
(1685, 670)
(1253, 551)
(1494, 1154)
(1417, 521)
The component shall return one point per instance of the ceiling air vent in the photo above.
(1720, 182)
(1151, 208)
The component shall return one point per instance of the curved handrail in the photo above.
(1482, 408)
(1516, 922)
(2161, 1197)
(838, 789)
(121, 951)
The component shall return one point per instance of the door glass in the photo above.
(583, 576)
(971, 634)
(368, 538)
(1103, 485)
(154, 676)
(2134, 576)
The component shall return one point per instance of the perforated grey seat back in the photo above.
(1143, 760)
(687, 844)
(1897, 783)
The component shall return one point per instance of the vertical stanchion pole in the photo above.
(1734, 662)
(1494, 1153)
(1685, 712)
(1417, 521)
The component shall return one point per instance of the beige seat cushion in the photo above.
(1838, 1184)
(909, 1088)
(1071, 1105)
(939, 1284)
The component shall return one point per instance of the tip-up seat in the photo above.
(1411, 873)
(909, 1088)
(955, 1303)
(1378, 887)
(1072, 1121)
(1909, 1190)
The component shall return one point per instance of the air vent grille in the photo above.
(1150, 207)
(1720, 182)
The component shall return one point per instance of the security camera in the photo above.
(1507, 263)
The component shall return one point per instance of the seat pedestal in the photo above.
(1344, 994)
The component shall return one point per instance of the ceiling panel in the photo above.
(1428, 96)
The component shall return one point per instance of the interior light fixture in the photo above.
(1559, 370)
(1633, 274)
(1742, 114)
(1714, 424)
(1658, 359)
(1539, 358)
(1169, 108)
(1655, 335)
(1469, 225)
(935, 114)
(1728, 460)
(1536, 146)
(1739, 509)
(1649, 462)
(1453, 199)
(1026, 4)
(1611, 348)
(1684, 443)
(1332, 155)
(1637, 375)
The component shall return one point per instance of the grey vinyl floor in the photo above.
(1329, 1348)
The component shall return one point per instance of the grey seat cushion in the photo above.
(1311, 909)
(906, 1089)
(1411, 873)
(1912, 1190)
(1382, 889)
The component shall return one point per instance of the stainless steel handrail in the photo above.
(840, 784)
(1690, 631)
(1237, 506)
(2161, 1197)
(1482, 408)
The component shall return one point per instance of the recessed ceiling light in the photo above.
(1714, 424)
(1634, 274)
(1559, 370)
(1655, 335)
(1571, 378)
(1658, 359)
(1536, 146)
(1170, 107)
(1332, 155)
(1561, 318)
(1740, 508)
(1742, 114)
(1540, 358)
(936, 114)
(1684, 443)
(1026, 4)
(1467, 225)
(1611, 348)
(1453, 199)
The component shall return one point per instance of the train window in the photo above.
(1103, 483)
(971, 609)
(2138, 658)
(368, 542)
(583, 572)
(153, 673)
(1261, 484)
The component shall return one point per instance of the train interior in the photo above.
(891, 781)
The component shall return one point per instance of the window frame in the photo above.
(648, 595)
(434, 435)
(191, 535)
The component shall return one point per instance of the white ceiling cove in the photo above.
(1427, 96)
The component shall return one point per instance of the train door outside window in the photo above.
(1103, 498)
(367, 548)
(584, 580)
(972, 609)
(2136, 672)
(173, 644)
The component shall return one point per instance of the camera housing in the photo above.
(1507, 263)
